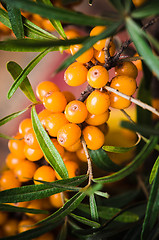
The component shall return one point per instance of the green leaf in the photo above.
(39, 191)
(59, 13)
(150, 9)
(11, 116)
(152, 209)
(85, 221)
(93, 208)
(4, 18)
(131, 167)
(154, 171)
(47, 146)
(101, 159)
(143, 130)
(23, 74)
(63, 232)
(10, 208)
(15, 70)
(6, 137)
(142, 47)
(102, 194)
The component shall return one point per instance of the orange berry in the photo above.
(74, 147)
(47, 25)
(55, 102)
(75, 74)
(24, 126)
(124, 84)
(36, 204)
(45, 88)
(99, 55)
(71, 33)
(69, 96)
(3, 217)
(68, 134)
(139, 3)
(33, 154)
(30, 139)
(25, 170)
(12, 160)
(98, 102)
(43, 115)
(127, 69)
(138, 63)
(25, 225)
(44, 173)
(96, 31)
(17, 146)
(93, 137)
(72, 168)
(56, 200)
(83, 58)
(97, 76)
(99, 119)
(54, 122)
(9, 180)
(81, 154)
(59, 148)
(71, 156)
(76, 111)
(10, 227)
(118, 102)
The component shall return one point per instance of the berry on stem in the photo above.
(55, 102)
(97, 76)
(45, 88)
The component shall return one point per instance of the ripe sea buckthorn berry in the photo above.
(3, 217)
(59, 148)
(124, 84)
(93, 137)
(25, 225)
(127, 69)
(43, 115)
(75, 74)
(17, 146)
(99, 56)
(84, 57)
(76, 111)
(74, 147)
(24, 126)
(72, 168)
(10, 227)
(68, 134)
(30, 139)
(45, 88)
(69, 96)
(99, 119)
(118, 102)
(54, 122)
(12, 160)
(25, 170)
(55, 102)
(98, 102)
(95, 31)
(9, 180)
(44, 173)
(81, 155)
(71, 156)
(138, 63)
(36, 204)
(71, 33)
(47, 25)
(97, 76)
(56, 200)
(33, 154)
(138, 3)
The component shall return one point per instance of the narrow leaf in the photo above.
(142, 47)
(47, 146)
(16, 21)
(93, 208)
(39, 191)
(63, 232)
(11, 116)
(15, 70)
(6, 137)
(10, 208)
(152, 209)
(22, 76)
(150, 9)
(85, 221)
(154, 171)
(102, 194)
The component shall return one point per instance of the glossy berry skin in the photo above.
(24, 126)
(33, 154)
(75, 74)
(97, 76)
(100, 55)
(72, 168)
(73, 148)
(99, 119)
(139, 3)
(101, 43)
(118, 102)
(59, 148)
(68, 134)
(54, 122)
(93, 137)
(124, 84)
(71, 33)
(98, 102)
(71, 156)
(12, 161)
(81, 154)
(56, 200)
(55, 102)
(25, 170)
(69, 96)
(9, 180)
(44, 173)
(127, 69)
(25, 225)
(83, 58)
(138, 63)
(45, 88)
(30, 139)
(76, 111)
(43, 115)
(17, 146)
